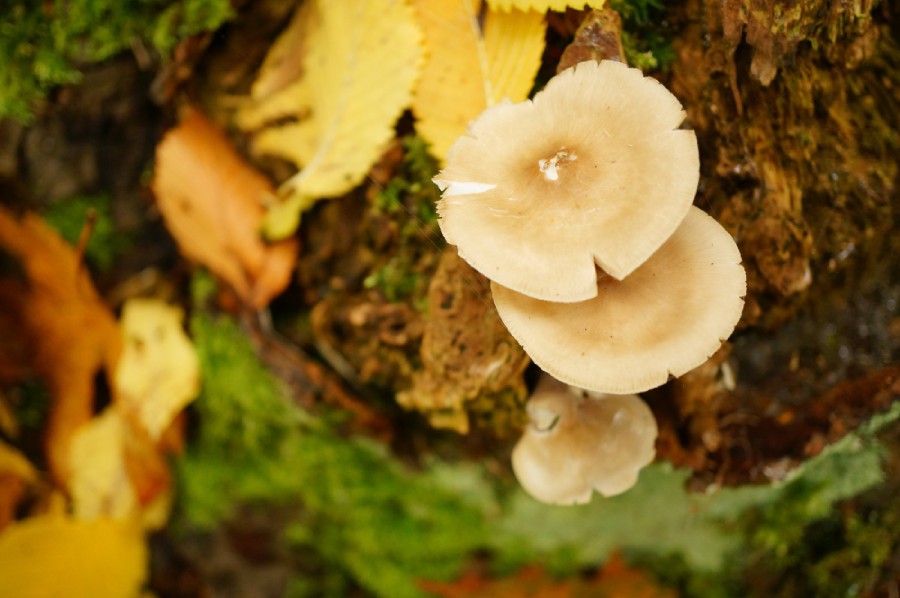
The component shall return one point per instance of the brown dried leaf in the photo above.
(614, 580)
(212, 202)
(16, 473)
(55, 327)
(599, 37)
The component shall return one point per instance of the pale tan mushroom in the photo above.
(593, 171)
(575, 444)
(666, 318)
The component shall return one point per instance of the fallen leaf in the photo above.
(116, 460)
(53, 555)
(9, 425)
(16, 474)
(118, 471)
(282, 69)
(55, 327)
(530, 582)
(212, 202)
(362, 59)
(614, 580)
(469, 67)
(617, 579)
(599, 37)
(147, 469)
(99, 485)
(543, 5)
(13, 462)
(158, 373)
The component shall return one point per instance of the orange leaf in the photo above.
(213, 204)
(16, 473)
(55, 327)
(614, 580)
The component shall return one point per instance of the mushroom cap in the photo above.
(593, 170)
(666, 318)
(574, 445)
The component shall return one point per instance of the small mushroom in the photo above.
(664, 319)
(594, 170)
(575, 444)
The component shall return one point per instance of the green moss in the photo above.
(363, 513)
(411, 191)
(392, 280)
(643, 39)
(410, 198)
(31, 404)
(365, 520)
(69, 217)
(801, 544)
(245, 421)
(43, 44)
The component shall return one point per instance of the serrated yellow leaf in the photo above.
(158, 373)
(543, 5)
(284, 62)
(279, 91)
(362, 60)
(52, 555)
(469, 68)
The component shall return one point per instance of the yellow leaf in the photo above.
(99, 484)
(158, 373)
(52, 556)
(54, 325)
(362, 59)
(117, 472)
(279, 90)
(284, 62)
(469, 69)
(543, 5)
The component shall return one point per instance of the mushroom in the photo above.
(575, 444)
(592, 171)
(664, 319)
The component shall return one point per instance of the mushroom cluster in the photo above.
(578, 206)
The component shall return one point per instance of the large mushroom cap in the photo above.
(574, 445)
(593, 169)
(666, 318)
